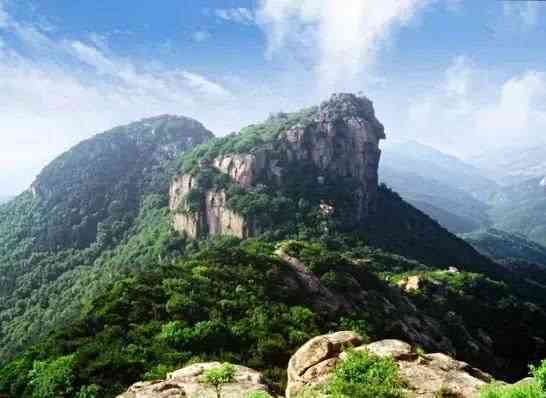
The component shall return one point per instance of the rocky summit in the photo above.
(339, 139)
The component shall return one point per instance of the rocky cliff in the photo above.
(339, 140)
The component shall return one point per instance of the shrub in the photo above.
(531, 390)
(363, 375)
(52, 379)
(219, 376)
(539, 374)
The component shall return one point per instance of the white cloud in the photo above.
(469, 111)
(238, 15)
(56, 93)
(343, 41)
(525, 13)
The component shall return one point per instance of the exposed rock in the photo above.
(322, 298)
(215, 219)
(185, 382)
(410, 283)
(314, 361)
(340, 139)
(425, 375)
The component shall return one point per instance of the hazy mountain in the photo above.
(513, 165)
(500, 245)
(521, 208)
(442, 186)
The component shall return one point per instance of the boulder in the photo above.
(186, 382)
(314, 361)
(425, 375)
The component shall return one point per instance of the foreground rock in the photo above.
(185, 382)
(426, 374)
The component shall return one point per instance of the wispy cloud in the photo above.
(342, 41)
(238, 15)
(468, 112)
(58, 92)
(525, 13)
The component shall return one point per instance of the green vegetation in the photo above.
(247, 140)
(363, 375)
(94, 214)
(258, 394)
(534, 388)
(500, 245)
(217, 377)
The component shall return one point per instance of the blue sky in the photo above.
(463, 76)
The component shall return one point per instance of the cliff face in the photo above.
(339, 139)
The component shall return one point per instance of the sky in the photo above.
(467, 77)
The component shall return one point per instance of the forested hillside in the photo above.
(55, 238)
(500, 245)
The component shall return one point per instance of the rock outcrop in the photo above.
(340, 138)
(186, 382)
(425, 375)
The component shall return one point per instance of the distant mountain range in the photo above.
(449, 190)
(505, 191)
(513, 165)
(501, 245)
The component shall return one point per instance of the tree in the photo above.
(218, 376)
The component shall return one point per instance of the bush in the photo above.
(52, 379)
(531, 390)
(219, 376)
(363, 375)
(539, 374)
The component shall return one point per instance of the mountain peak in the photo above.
(108, 171)
(347, 105)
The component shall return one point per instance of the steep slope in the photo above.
(84, 203)
(253, 304)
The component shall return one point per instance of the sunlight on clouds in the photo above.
(344, 40)
(56, 93)
(467, 113)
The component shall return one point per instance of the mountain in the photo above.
(500, 245)
(432, 164)
(521, 209)
(241, 250)
(55, 236)
(513, 165)
(4, 199)
(455, 209)
(442, 186)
